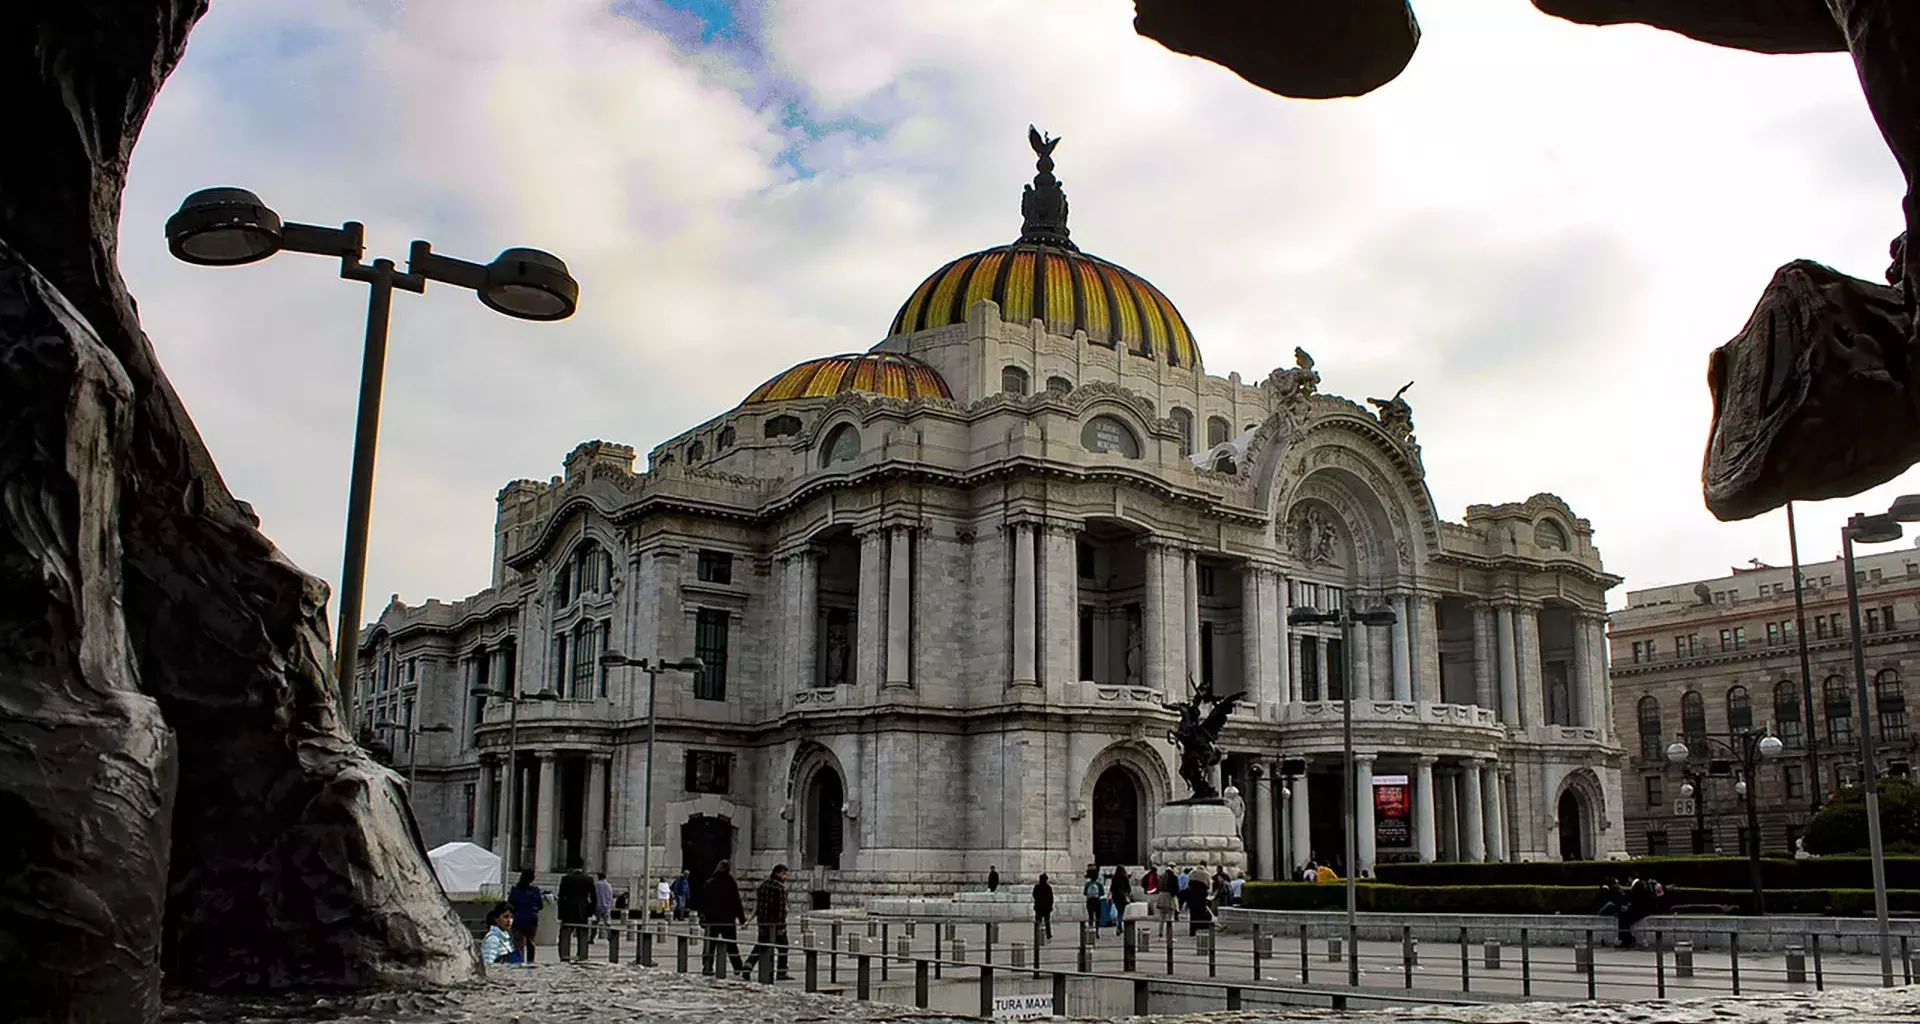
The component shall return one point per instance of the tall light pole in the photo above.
(1807, 731)
(225, 227)
(510, 777)
(1345, 617)
(1749, 747)
(652, 669)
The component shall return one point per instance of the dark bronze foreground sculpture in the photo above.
(1819, 396)
(174, 785)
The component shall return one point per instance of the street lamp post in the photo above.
(413, 737)
(1807, 731)
(1346, 618)
(225, 227)
(510, 778)
(1749, 747)
(652, 668)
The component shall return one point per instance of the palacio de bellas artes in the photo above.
(945, 591)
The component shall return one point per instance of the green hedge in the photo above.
(1552, 899)
(1684, 872)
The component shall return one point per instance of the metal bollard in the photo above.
(1203, 944)
(986, 991)
(1059, 995)
(873, 928)
(1017, 954)
(911, 928)
(953, 931)
(1333, 949)
(886, 929)
(1143, 940)
(613, 945)
(919, 981)
(1128, 951)
(1796, 965)
(1492, 959)
(680, 954)
(813, 969)
(1263, 944)
(1582, 957)
(960, 950)
(863, 976)
(1683, 959)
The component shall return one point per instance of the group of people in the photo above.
(585, 902)
(1628, 902)
(1168, 890)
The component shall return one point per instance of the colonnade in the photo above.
(1458, 813)
(540, 808)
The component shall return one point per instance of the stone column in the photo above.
(483, 806)
(806, 566)
(1402, 649)
(870, 638)
(1191, 602)
(1060, 604)
(1153, 607)
(1253, 671)
(1580, 675)
(1366, 682)
(1486, 684)
(1024, 625)
(1302, 823)
(900, 606)
(1261, 819)
(1509, 686)
(595, 833)
(545, 833)
(1423, 816)
(1533, 703)
(1475, 825)
(1447, 806)
(1600, 692)
(503, 818)
(1363, 814)
(1284, 684)
(1426, 650)
(1496, 837)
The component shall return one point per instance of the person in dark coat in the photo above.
(770, 914)
(993, 879)
(1043, 905)
(1121, 893)
(576, 906)
(1199, 916)
(721, 914)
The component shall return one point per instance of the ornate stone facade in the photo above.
(942, 632)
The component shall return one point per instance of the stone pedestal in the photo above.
(1198, 834)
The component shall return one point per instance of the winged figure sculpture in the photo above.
(1203, 716)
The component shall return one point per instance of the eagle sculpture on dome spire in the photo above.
(1043, 206)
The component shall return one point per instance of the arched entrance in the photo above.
(1116, 818)
(1573, 844)
(825, 834)
(705, 841)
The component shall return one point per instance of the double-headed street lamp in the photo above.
(1880, 528)
(652, 668)
(1346, 618)
(413, 734)
(1748, 748)
(510, 777)
(225, 227)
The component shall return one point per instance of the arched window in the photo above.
(588, 570)
(726, 439)
(1548, 534)
(696, 452)
(1059, 385)
(843, 445)
(585, 636)
(1217, 430)
(782, 425)
(1693, 719)
(1786, 714)
(1651, 747)
(1183, 422)
(1890, 699)
(1839, 711)
(1739, 709)
(1109, 434)
(1013, 380)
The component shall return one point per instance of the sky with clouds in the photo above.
(1547, 227)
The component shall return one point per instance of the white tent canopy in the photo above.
(465, 867)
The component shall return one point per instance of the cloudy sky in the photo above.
(1548, 227)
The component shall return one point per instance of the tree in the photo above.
(1841, 825)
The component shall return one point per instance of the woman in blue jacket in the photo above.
(526, 900)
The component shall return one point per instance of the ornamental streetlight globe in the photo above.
(1771, 746)
(1677, 753)
(1686, 790)
(1740, 788)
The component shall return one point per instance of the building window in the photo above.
(696, 451)
(1217, 429)
(1793, 781)
(782, 425)
(725, 440)
(470, 797)
(1773, 634)
(1726, 639)
(1656, 791)
(714, 567)
(710, 646)
(1013, 380)
(1656, 842)
(1886, 616)
(1183, 422)
(1891, 701)
(843, 445)
(1548, 534)
(1310, 669)
(1873, 620)
(1786, 715)
(1651, 748)
(1206, 579)
(1638, 652)
(1206, 654)
(1693, 720)
(1653, 649)
(1059, 385)
(1739, 637)
(1834, 621)
(709, 771)
(1839, 712)
(585, 660)
(1846, 776)
(1819, 627)
(1739, 709)
(1086, 642)
(1108, 434)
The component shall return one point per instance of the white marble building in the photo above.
(945, 587)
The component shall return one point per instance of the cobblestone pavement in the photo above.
(613, 994)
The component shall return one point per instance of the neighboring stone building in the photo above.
(1719, 656)
(945, 587)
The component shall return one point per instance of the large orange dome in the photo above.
(879, 373)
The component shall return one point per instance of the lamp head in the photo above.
(687, 665)
(1306, 617)
(1677, 753)
(1740, 788)
(1771, 746)
(1874, 529)
(1686, 790)
(1905, 509)
(547, 694)
(531, 285)
(223, 227)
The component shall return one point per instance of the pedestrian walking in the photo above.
(1198, 917)
(576, 906)
(526, 900)
(1122, 894)
(1095, 894)
(680, 893)
(721, 914)
(993, 879)
(770, 917)
(602, 900)
(1043, 905)
(1166, 893)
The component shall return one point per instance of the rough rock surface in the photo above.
(608, 994)
(293, 863)
(1307, 49)
(1764, 26)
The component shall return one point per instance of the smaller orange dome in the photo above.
(879, 373)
